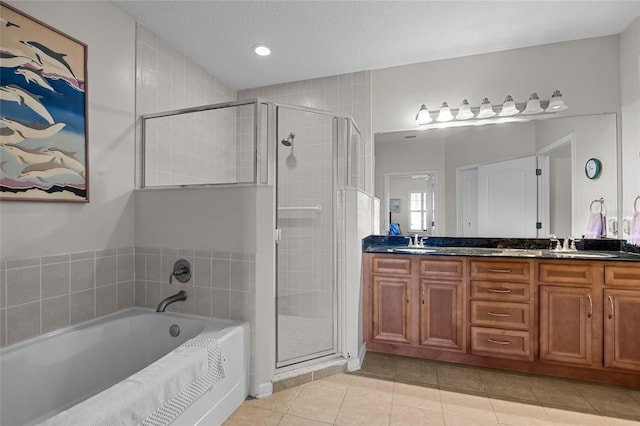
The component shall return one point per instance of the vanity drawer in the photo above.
(442, 268)
(501, 343)
(566, 273)
(500, 270)
(394, 265)
(500, 314)
(622, 276)
(502, 291)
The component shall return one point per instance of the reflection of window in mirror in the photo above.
(417, 211)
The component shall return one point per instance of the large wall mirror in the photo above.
(513, 180)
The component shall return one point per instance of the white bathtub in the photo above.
(43, 376)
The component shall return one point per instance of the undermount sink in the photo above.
(581, 254)
(415, 250)
(519, 252)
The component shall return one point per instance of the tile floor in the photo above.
(392, 390)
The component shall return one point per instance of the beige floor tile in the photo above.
(323, 388)
(417, 396)
(561, 417)
(460, 378)
(379, 365)
(363, 411)
(508, 386)
(316, 406)
(520, 414)
(417, 371)
(374, 389)
(455, 420)
(610, 400)
(559, 394)
(251, 416)
(341, 379)
(289, 420)
(462, 404)
(278, 402)
(402, 415)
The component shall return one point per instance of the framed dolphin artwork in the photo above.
(43, 112)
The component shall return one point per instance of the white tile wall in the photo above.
(186, 149)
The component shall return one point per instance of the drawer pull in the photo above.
(590, 306)
(610, 307)
(497, 314)
(498, 290)
(501, 271)
(499, 342)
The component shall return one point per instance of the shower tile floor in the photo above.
(392, 390)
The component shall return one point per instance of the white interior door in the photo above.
(507, 197)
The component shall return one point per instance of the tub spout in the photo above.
(181, 295)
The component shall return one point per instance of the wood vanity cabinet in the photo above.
(568, 318)
(442, 303)
(501, 308)
(622, 317)
(570, 309)
(391, 286)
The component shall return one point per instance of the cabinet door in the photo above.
(441, 314)
(391, 316)
(621, 329)
(566, 325)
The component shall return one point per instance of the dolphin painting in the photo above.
(32, 76)
(14, 93)
(54, 59)
(50, 172)
(34, 130)
(8, 24)
(68, 160)
(8, 135)
(24, 155)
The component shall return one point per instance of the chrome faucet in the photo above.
(179, 296)
(554, 239)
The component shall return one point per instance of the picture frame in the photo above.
(43, 112)
(394, 205)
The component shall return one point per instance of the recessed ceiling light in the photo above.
(261, 50)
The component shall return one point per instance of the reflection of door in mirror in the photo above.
(505, 199)
(555, 187)
(416, 195)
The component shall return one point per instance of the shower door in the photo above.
(306, 247)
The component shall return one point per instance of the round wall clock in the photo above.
(592, 168)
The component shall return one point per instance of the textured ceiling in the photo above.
(311, 39)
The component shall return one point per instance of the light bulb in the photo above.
(509, 107)
(445, 113)
(464, 112)
(533, 105)
(423, 117)
(486, 110)
(556, 103)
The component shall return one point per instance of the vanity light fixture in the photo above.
(509, 107)
(464, 112)
(261, 50)
(486, 110)
(533, 105)
(465, 115)
(445, 113)
(423, 117)
(556, 103)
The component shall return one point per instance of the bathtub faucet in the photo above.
(181, 295)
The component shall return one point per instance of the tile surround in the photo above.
(40, 295)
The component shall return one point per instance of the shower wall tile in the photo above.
(106, 300)
(23, 322)
(62, 289)
(82, 306)
(106, 270)
(192, 148)
(55, 313)
(23, 285)
(82, 274)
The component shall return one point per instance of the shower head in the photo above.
(289, 140)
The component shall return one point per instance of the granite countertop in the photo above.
(601, 249)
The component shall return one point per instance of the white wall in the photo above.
(35, 229)
(630, 129)
(586, 71)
